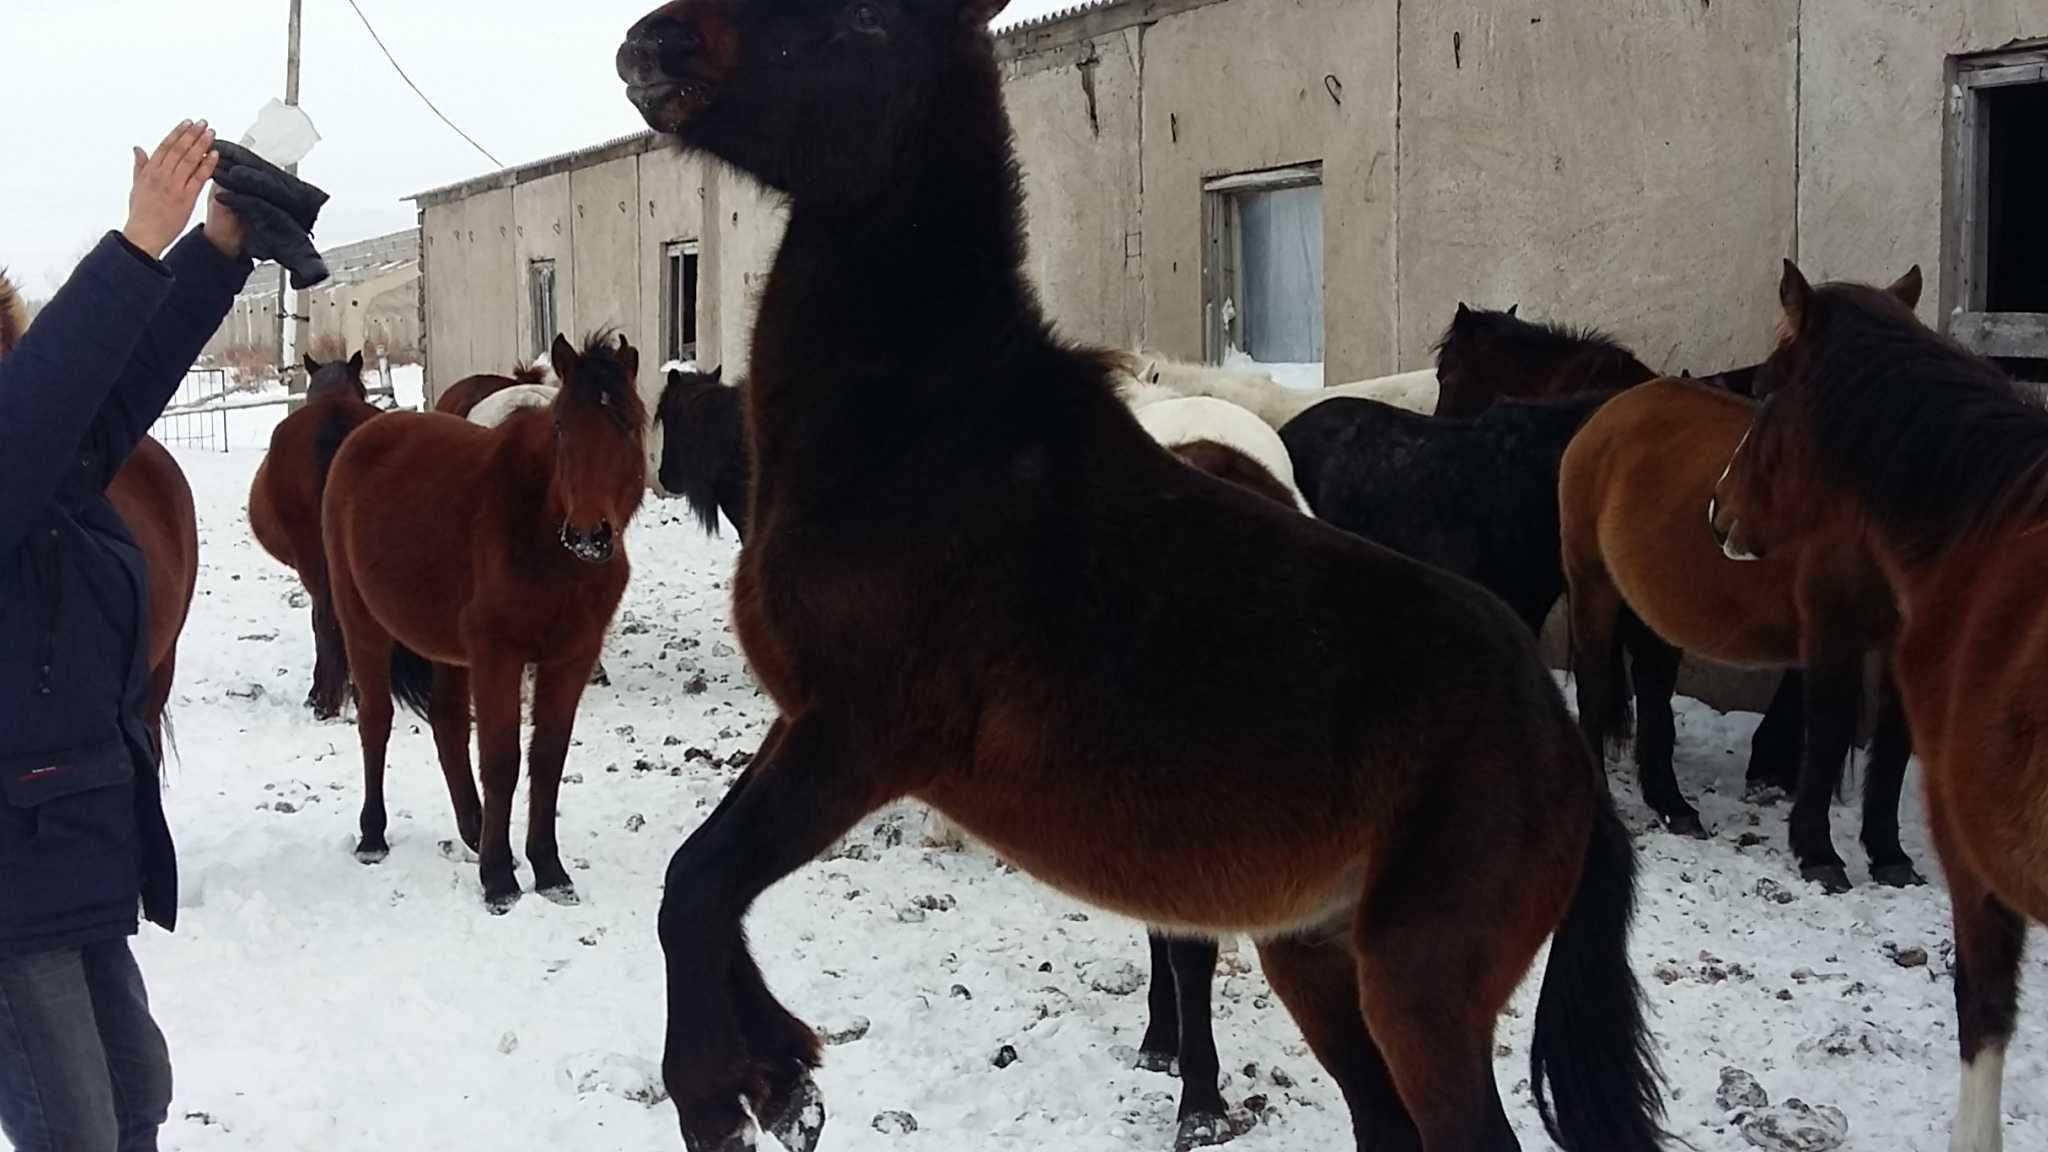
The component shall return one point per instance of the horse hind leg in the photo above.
(370, 655)
(330, 661)
(1774, 750)
(1161, 1045)
(1317, 981)
(1654, 667)
(1834, 686)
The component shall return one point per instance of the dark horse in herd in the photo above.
(966, 561)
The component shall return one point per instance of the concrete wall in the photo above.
(1871, 128)
(750, 223)
(1627, 165)
(607, 249)
(544, 225)
(1242, 86)
(673, 195)
(1078, 119)
(475, 289)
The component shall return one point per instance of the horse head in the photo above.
(600, 456)
(335, 378)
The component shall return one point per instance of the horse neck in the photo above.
(902, 297)
(527, 441)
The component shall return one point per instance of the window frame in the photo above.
(1965, 238)
(681, 329)
(1223, 243)
(541, 338)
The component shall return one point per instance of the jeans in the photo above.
(83, 1067)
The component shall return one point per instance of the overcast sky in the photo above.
(88, 78)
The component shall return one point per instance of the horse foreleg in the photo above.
(1989, 940)
(1891, 745)
(557, 688)
(1834, 686)
(1595, 607)
(1161, 1045)
(449, 715)
(728, 1039)
(1204, 1119)
(494, 685)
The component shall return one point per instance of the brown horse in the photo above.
(1875, 421)
(155, 501)
(1629, 496)
(463, 395)
(519, 559)
(284, 507)
(970, 576)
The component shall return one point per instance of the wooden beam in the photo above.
(2017, 335)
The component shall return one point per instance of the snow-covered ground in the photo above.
(315, 1003)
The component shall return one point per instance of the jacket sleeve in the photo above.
(54, 383)
(203, 287)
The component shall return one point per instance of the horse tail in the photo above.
(412, 679)
(1592, 1043)
(13, 314)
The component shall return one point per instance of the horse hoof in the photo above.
(1832, 878)
(1765, 793)
(1686, 824)
(457, 852)
(372, 853)
(739, 1141)
(796, 1118)
(1897, 876)
(1160, 1062)
(1207, 1130)
(563, 894)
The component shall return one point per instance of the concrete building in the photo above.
(1327, 179)
(371, 300)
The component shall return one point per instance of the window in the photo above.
(1262, 276)
(679, 300)
(1995, 242)
(540, 297)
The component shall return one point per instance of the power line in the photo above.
(416, 88)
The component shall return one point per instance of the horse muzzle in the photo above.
(1725, 536)
(593, 547)
(665, 64)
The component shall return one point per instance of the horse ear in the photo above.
(1906, 289)
(562, 356)
(312, 365)
(1512, 307)
(717, 373)
(355, 364)
(1795, 294)
(1464, 313)
(978, 13)
(629, 357)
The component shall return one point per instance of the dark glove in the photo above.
(277, 210)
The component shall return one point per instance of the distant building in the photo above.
(371, 301)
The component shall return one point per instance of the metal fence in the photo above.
(196, 418)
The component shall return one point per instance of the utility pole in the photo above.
(288, 300)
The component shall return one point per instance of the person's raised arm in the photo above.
(54, 383)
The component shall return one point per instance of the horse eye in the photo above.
(866, 18)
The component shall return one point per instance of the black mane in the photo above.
(1606, 359)
(602, 378)
(1937, 441)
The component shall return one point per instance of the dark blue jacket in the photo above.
(83, 841)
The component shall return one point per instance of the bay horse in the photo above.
(1487, 355)
(1877, 422)
(517, 559)
(1630, 490)
(464, 394)
(971, 577)
(1476, 497)
(703, 455)
(284, 507)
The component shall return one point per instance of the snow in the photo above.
(315, 1003)
(1303, 377)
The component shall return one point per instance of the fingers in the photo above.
(141, 161)
(195, 147)
(173, 134)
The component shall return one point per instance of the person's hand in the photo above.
(167, 185)
(224, 228)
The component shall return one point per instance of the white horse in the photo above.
(1273, 402)
(492, 410)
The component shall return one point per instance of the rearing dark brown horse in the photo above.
(970, 576)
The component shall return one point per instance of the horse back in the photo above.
(155, 500)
